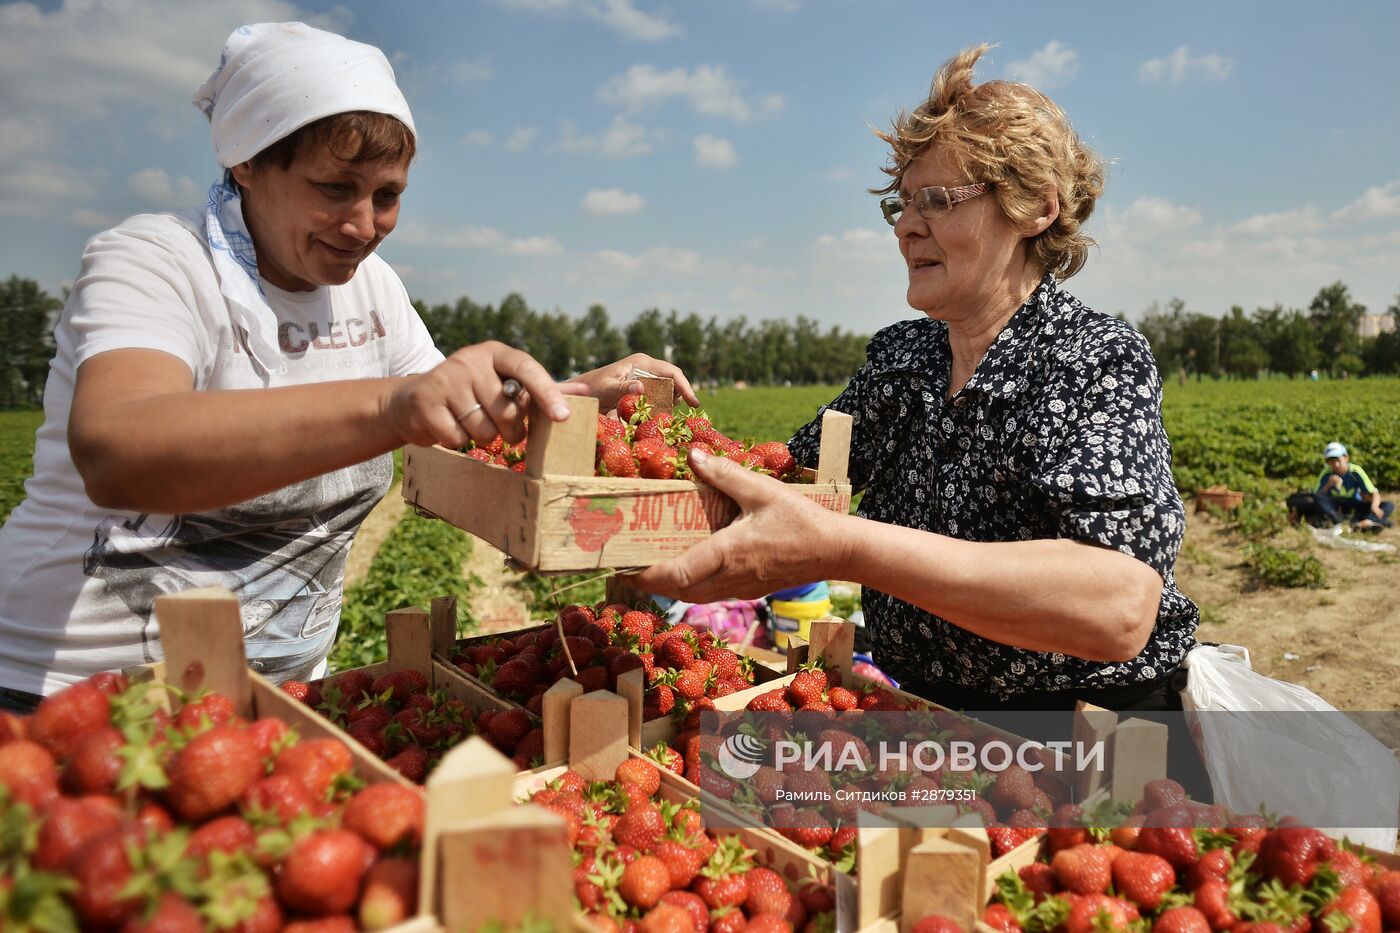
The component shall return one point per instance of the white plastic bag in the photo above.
(1280, 746)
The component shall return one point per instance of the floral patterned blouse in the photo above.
(1057, 435)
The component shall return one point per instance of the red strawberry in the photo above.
(1014, 789)
(644, 881)
(69, 825)
(1292, 853)
(65, 717)
(1000, 917)
(412, 763)
(610, 429)
(228, 834)
(1213, 865)
(102, 869)
(615, 458)
(640, 772)
(321, 874)
(659, 465)
(1163, 792)
(665, 918)
(776, 458)
(936, 923)
(1356, 905)
(275, 800)
(212, 709)
(1181, 920)
(807, 687)
(768, 893)
(390, 894)
(385, 815)
(640, 827)
(95, 766)
(1387, 892)
(807, 828)
(1083, 869)
(173, 914)
(842, 699)
(212, 771)
(630, 404)
(1176, 844)
(316, 763)
(1143, 878)
(1212, 898)
(1097, 913)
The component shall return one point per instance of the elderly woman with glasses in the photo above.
(1019, 527)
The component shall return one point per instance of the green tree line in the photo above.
(1325, 336)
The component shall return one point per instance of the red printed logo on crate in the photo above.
(594, 521)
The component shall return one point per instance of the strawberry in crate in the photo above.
(641, 858)
(400, 721)
(647, 444)
(1176, 866)
(116, 814)
(683, 666)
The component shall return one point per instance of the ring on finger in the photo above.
(469, 412)
(510, 388)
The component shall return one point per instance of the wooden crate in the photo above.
(644, 735)
(558, 516)
(598, 743)
(201, 633)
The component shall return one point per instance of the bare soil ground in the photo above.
(1341, 641)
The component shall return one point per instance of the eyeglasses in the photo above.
(932, 202)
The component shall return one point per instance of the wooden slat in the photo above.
(1139, 756)
(410, 641)
(598, 734)
(834, 456)
(1093, 725)
(473, 781)
(942, 877)
(201, 634)
(554, 710)
(443, 621)
(563, 448)
(834, 641)
(496, 505)
(505, 867)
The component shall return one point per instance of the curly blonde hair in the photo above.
(1014, 137)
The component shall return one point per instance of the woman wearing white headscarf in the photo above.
(228, 383)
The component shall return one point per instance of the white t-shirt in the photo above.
(77, 582)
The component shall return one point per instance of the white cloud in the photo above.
(859, 235)
(1180, 66)
(714, 152)
(1148, 217)
(83, 56)
(30, 188)
(475, 238)
(621, 140)
(478, 139)
(533, 246)
(621, 16)
(470, 71)
(1300, 220)
(666, 259)
(708, 89)
(157, 188)
(1380, 201)
(612, 201)
(521, 139)
(1054, 65)
(93, 220)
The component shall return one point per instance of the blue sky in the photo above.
(713, 155)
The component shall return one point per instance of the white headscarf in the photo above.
(273, 79)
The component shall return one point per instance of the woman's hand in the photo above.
(464, 397)
(781, 539)
(610, 383)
